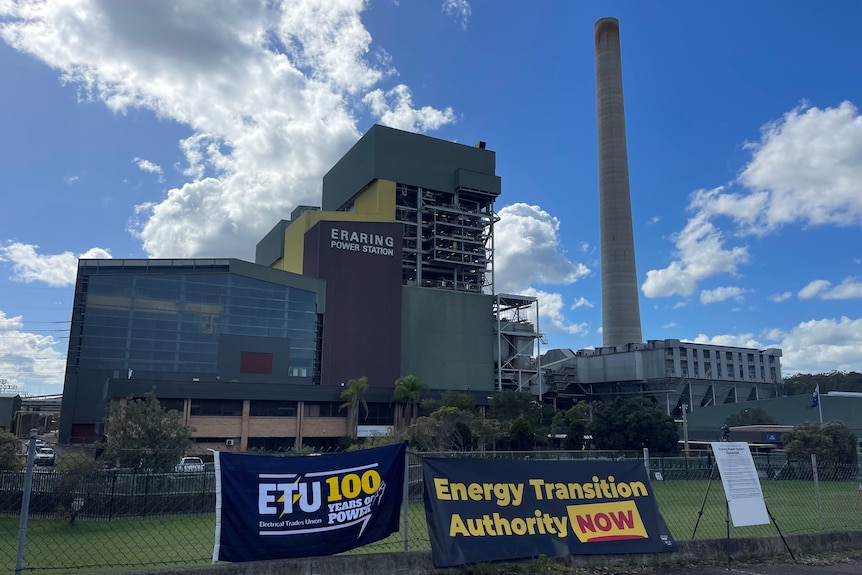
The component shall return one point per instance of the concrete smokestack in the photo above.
(621, 320)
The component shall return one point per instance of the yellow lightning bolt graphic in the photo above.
(295, 499)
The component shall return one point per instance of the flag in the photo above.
(815, 396)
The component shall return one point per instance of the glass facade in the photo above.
(172, 322)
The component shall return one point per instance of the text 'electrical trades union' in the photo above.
(617, 518)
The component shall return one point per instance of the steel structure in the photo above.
(519, 364)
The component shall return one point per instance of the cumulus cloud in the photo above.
(395, 109)
(270, 91)
(806, 169)
(582, 302)
(528, 250)
(700, 254)
(551, 316)
(819, 346)
(28, 356)
(70, 180)
(722, 294)
(813, 288)
(779, 297)
(730, 340)
(458, 9)
(850, 288)
(56, 270)
(150, 167)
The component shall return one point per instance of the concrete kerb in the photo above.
(713, 551)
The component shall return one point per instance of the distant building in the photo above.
(670, 371)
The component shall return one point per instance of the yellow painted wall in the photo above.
(375, 204)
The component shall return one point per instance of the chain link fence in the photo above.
(93, 520)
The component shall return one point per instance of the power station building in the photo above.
(392, 276)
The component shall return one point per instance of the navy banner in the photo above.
(488, 510)
(282, 507)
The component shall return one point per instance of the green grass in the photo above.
(55, 546)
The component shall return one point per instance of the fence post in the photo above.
(817, 492)
(25, 502)
(646, 461)
(405, 503)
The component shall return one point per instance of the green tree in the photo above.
(633, 423)
(522, 434)
(406, 395)
(508, 405)
(748, 416)
(804, 383)
(354, 402)
(831, 442)
(452, 424)
(140, 435)
(10, 452)
(572, 423)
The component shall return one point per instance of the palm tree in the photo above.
(407, 391)
(353, 402)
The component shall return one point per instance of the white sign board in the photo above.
(741, 483)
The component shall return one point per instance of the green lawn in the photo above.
(55, 546)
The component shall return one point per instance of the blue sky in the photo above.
(170, 129)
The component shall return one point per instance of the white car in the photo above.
(45, 456)
(188, 464)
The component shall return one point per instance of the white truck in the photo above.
(189, 464)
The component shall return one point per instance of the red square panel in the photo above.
(255, 362)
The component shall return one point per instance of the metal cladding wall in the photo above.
(361, 263)
(388, 154)
(621, 322)
(448, 338)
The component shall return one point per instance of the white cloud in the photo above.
(270, 91)
(459, 9)
(700, 254)
(653, 220)
(721, 294)
(813, 288)
(807, 166)
(551, 317)
(582, 302)
(850, 288)
(819, 346)
(806, 169)
(151, 167)
(779, 297)
(28, 356)
(730, 340)
(527, 250)
(55, 270)
(395, 109)
(669, 325)
(71, 179)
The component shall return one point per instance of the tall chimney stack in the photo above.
(621, 322)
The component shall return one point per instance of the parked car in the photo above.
(188, 464)
(40, 443)
(45, 456)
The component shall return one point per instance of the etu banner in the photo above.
(487, 510)
(283, 507)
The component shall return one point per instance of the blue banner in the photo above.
(284, 507)
(488, 510)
